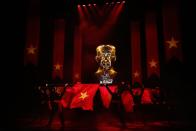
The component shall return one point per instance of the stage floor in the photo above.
(102, 120)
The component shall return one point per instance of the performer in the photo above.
(54, 103)
(117, 104)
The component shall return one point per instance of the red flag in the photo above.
(58, 49)
(32, 40)
(67, 97)
(127, 100)
(136, 52)
(137, 91)
(77, 87)
(84, 97)
(171, 30)
(106, 96)
(147, 96)
(152, 45)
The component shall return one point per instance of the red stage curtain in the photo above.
(58, 49)
(152, 44)
(171, 30)
(136, 52)
(77, 54)
(32, 40)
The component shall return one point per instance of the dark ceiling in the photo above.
(63, 7)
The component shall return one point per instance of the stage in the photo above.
(147, 44)
(102, 120)
(143, 117)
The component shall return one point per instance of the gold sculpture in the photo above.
(106, 56)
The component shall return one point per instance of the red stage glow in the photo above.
(93, 11)
(81, 13)
(95, 25)
(87, 14)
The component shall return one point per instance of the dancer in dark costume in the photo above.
(55, 104)
(117, 104)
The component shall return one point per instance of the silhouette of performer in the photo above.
(137, 92)
(55, 105)
(117, 104)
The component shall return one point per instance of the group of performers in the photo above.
(53, 94)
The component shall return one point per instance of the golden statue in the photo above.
(106, 56)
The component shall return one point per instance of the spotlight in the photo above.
(94, 4)
(89, 4)
(83, 5)
(118, 2)
(123, 1)
(78, 6)
(107, 3)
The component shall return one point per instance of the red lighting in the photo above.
(89, 4)
(94, 4)
(123, 1)
(107, 3)
(118, 2)
(78, 6)
(112, 2)
(83, 5)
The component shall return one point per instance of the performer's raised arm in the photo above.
(107, 87)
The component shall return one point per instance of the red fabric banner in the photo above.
(136, 52)
(147, 96)
(67, 97)
(84, 96)
(58, 49)
(127, 100)
(152, 44)
(32, 40)
(137, 91)
(171, 30)
(106, 96)
(77, 87)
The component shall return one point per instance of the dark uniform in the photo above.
(117, 105)
(55, 105)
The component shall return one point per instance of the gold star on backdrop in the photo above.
(31, 50)
(153, 64)
(172, 43)
(76, 75)
(83, 95)
(57, 67)
(136, 74)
